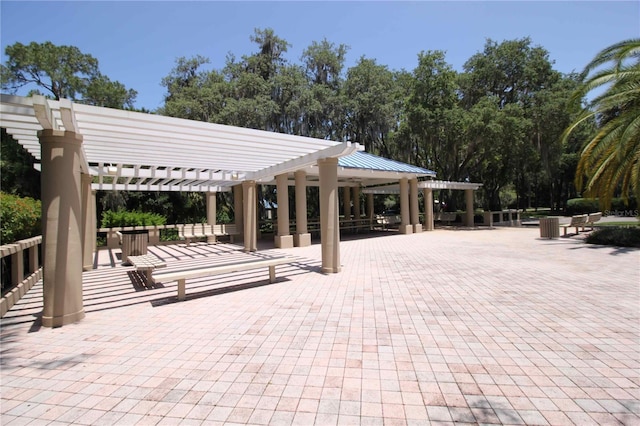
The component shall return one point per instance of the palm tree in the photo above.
(611, 159)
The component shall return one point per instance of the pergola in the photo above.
(428, 186)
(81, 149)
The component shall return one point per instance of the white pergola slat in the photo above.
(136, 151)
(426, 184)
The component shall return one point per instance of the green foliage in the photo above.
(582, 206)
(592, 205)
(19, 218)
(222, 216)
(616, 236)
(610, 160)
(64, 72)
(370, 92)
(120, 218)
(17, 174)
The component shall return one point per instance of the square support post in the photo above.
(302, 238)
(370, 212)
(329, 220)
(346, 202)
(250, 216)
(62, 233)
(88, 229)
(415, 208)
(428, 209)
(468, 195)
(212, 213)
(405, 225)
(238, 207)
(284, 239)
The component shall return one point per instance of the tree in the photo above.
(433, 117)
(63, 72)
(519, 75)
(370, 92)
(17, 173)
(610, 160)
(324, 112)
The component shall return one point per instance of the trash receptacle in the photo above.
(134, 243)
(549, 227)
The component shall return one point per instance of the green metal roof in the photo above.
(366, 161)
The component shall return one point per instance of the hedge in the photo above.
(19, 218)
(615, 236)
(121, 218)
(591, 205)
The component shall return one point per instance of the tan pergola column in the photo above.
(468, 195)
(62, 227)
(238, 207)
(370, 212)
(88, 223)
(346, 201)
(405, 226)
(212, 207)
(356, 203)
(329, 220)
(250, 215)
(284, 239)
(302, 238)
(415, 208)
(428, 209)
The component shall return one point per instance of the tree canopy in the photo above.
(62, 72)
(500, 120)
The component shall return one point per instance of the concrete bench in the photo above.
(225, 230)
(190, 232)
(577, 222)
(147, 263)
(592, 219)
(223, 268)
(447, 217)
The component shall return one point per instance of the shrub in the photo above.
(591, 205)
(615, 236)
(582, 206)
(121, 218)
(19, 218)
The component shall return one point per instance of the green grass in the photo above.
(623, 224)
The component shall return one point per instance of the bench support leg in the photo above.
(272, 274)
(147, 273)
(181, 289)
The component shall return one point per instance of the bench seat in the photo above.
(224, 268)
(147, 263)
(189, 232)
(592, 219)
(577, 222)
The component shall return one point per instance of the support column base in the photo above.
(417, 228)
(59, 321)
(406, 229)
(86, 268)
(283, 241)
(302, 240)
(331, 270)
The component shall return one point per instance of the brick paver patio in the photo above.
(452, 326)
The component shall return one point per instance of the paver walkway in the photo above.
(465, 326)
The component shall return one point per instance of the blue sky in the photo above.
(137, 43)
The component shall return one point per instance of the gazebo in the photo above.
(82, 148)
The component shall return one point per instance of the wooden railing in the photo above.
(25, 271)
